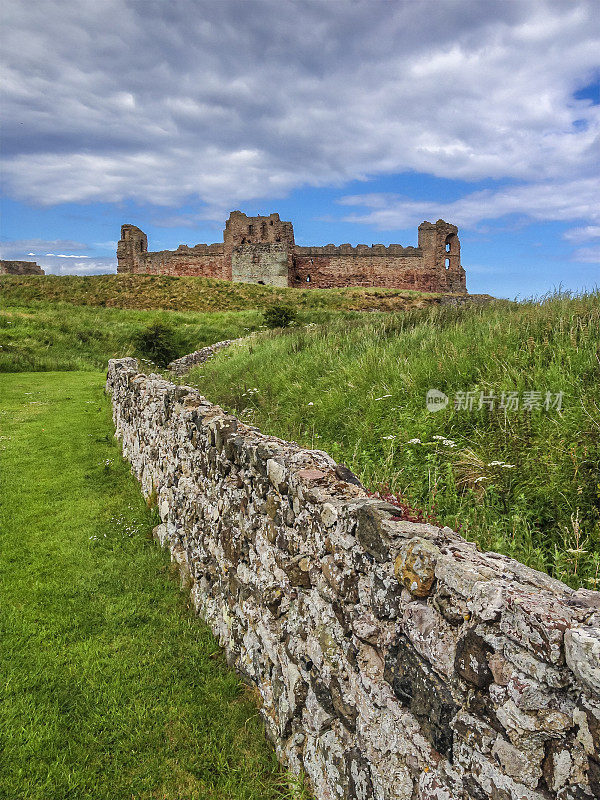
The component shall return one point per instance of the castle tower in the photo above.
(261, 248)
(131, 246)
(441, 253)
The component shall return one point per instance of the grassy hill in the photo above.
(522, 481)
(60, 336)
(71, 322)
(197, 294)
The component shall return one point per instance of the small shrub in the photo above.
(279, 316)
(158, 342)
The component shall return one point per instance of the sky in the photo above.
(355, 120)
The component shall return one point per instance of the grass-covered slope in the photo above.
(60, 336)
(195, 294)
(522, 482)
(111, 689)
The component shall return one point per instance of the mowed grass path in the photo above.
(110, 687)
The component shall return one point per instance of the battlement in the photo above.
(358, 250)
(217, 248)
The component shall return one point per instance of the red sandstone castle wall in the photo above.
(167, 262)
(389, 271)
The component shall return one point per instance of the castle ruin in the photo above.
(20, 268)
(262, 250)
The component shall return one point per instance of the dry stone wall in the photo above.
(181, 366)
(393, 660)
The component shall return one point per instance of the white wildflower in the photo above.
(438, 437)
(311, 404)
(448, 443)
(415, 441)
(389, 438)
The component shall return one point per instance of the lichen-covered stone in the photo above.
(479, 683)
(471, 660)
(582, 649)
(418, 687)
(415, 566)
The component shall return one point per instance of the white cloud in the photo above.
(588, 255)
(231, 101)
(584, 234)
(560, 201)
(91, 266)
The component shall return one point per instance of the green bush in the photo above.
(279, 316)
(159, 343)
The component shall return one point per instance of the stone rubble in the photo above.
(393, 660)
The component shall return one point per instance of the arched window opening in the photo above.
(141, 246)
(263, 230)
(447, 263)
(250, 229)
(308, 278)
(452, 243)
(270, 222)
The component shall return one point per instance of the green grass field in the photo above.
(111, 689)
(522, 482)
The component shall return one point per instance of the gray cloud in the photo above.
(224, 102)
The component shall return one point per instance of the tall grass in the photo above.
(523, 482)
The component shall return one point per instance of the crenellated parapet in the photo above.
(358, 250)
(217, 248)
